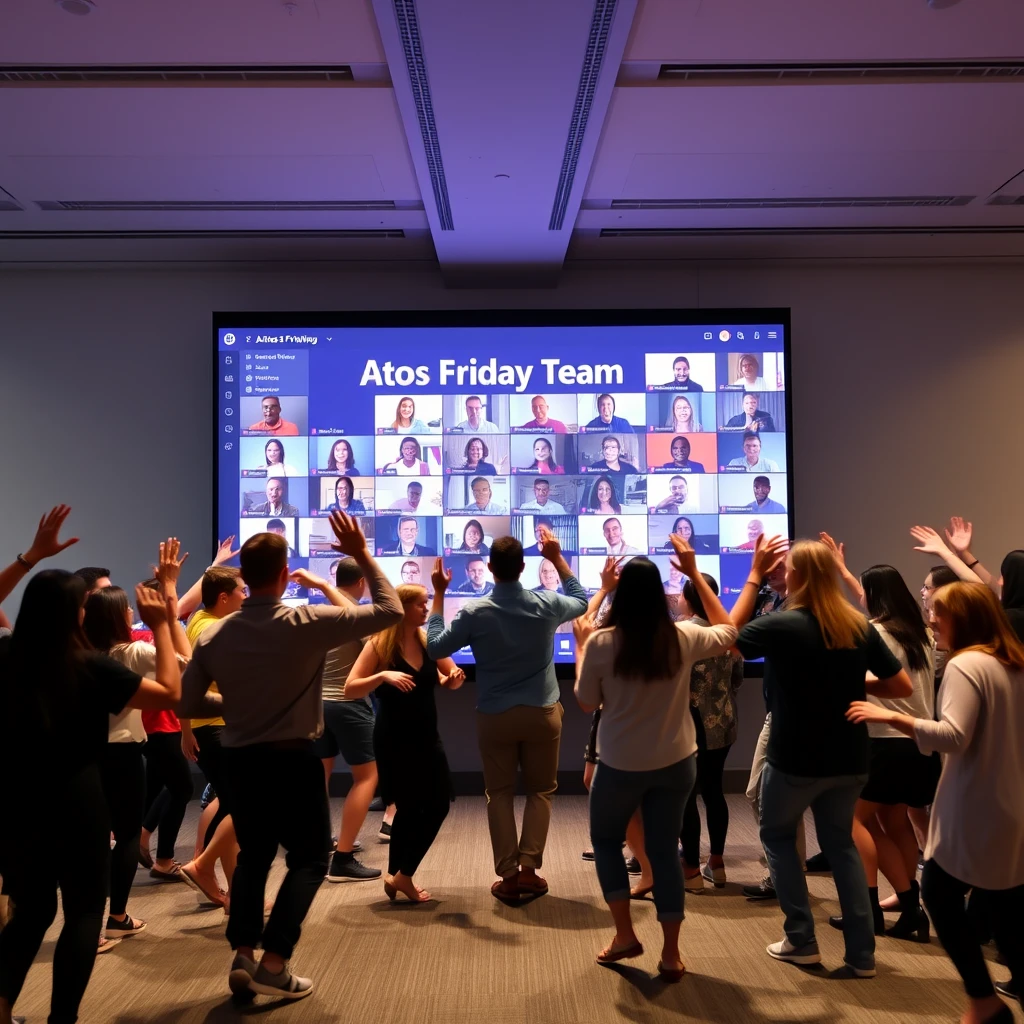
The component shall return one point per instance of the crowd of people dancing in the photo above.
(897, 723)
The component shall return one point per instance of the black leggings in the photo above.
(211, 764)
(124, 786)
(32, 876)
(710, 771)
(944, 899)
(166, 766)
(421, 792)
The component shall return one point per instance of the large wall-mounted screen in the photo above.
(441, 432)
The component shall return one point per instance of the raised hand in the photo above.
(583, 628)
(350, 538)
(152, 606)
(224, 552)
(686, 558)
(168, 568)
(769, 554)
(549, 546)
(838, 550)
(865, 711)
(46, 542)
(610, 573)
(440, 577)
(959, 534)
(928, 540)
(306, 578)
(399, 680)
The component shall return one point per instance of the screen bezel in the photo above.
(739, 317)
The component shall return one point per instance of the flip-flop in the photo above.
(612, 955)
(513, 892)
(167, 876)
(671, 973)
(192, 881)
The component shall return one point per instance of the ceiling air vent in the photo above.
(161, 206)
(803, 202)
(191, 75)
(878, 72)
(1003, 200)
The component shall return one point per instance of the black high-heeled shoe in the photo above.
(913, 921)
(836, 920)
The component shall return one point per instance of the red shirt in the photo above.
(156, 721)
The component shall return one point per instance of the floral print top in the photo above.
(713, 686)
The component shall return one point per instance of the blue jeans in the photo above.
(784, 798)
(661, 796)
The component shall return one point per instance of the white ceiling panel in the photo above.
(191, 32)
(708, 31)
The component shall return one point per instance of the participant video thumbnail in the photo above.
(554, 414)
(478, 413)
(275, 496)
(682, 494)
(740, 532)
(549, 495)
(408, 536)
(549, 454)
(680, 372)
(316, 537)
(286, 528)
(621, 413)
(484, 455)
(407, 415)
(422, 496)
(280, 415)
(342, 456)
(473, 536)
(477, 495)
(611, 453)
(470, 575)
(354, 495)
(682, 453)
(754, 371)
(407, 456)
(414, 571)
(674, 413)
(748, 452)
(700, 532)
(605, 494)
(613, 535)
(527, 530)
(764, 493)
(760, 412)
(273, 456)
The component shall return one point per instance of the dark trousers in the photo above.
(124, 786)
(944, 899)
(32, 874)
(211, 764)
(276, 797)
(418, 818)
(710, 772)
(166, 767)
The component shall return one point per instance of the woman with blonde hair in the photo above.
(976, 829)
(817, 655)
(682, 419)
(411, 761)
(405, 418)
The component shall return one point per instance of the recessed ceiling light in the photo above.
(79, 7)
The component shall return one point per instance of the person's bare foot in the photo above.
(644, 885)
(405, 885)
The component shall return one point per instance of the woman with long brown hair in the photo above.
(817, 655)
(411, 762)
(976, 829)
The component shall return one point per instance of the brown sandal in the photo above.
(538, 887)
(671, 973)
(506, 889)
(611, 955)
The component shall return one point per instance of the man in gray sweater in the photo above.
(267, 661)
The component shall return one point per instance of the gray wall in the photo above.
(905, 382)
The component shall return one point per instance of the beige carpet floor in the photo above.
(468, 959)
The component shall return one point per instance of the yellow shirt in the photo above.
(200, 621)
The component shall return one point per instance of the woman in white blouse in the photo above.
(638, 672)
(274, 461)
(976, 831)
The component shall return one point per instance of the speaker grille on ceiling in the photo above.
(847, 73)
(192, 75)
(597, 42)
(772, 203)
(412, 45)
(157, 205)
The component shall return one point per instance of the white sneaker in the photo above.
(242, 970)
(284, 985)
(693, 885)
(786, 951)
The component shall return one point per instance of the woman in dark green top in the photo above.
(817, 654)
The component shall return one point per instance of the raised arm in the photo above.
(959, 537)
(839, 555)
(163, 691)
(686, 562)
(45, 544)
(768, 554)
(444, 641)
(193, 597)
(574, 603)
(308, 579)
(168, 570)
(609, 581)
(929, 542)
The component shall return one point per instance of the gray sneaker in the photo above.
(345, 868)
(284, 985)
(866, 968)
(242, 971)
(785, 950)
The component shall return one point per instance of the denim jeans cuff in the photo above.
(672, 915)
(617, 894)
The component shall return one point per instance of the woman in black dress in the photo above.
(411, 762)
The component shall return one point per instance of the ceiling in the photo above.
(500, 139)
